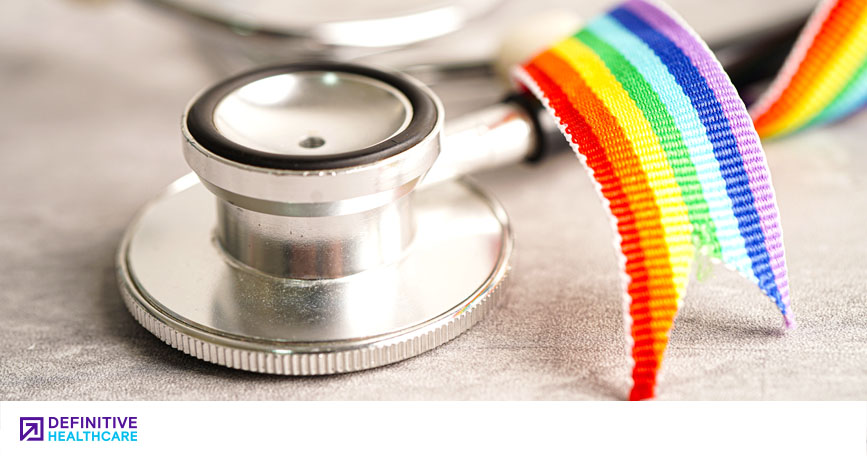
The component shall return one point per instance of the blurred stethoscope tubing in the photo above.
(319, 255)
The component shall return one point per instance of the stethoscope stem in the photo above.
(495, 136)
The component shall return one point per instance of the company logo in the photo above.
(79, 429)
(31, 428)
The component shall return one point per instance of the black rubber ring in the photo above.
(534, 109)
(549, 140)
(201, 126)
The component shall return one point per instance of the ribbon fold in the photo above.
(676, 157)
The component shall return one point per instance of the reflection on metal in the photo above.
(294, 255)
(178, 283)
(375, 24)
(292, 113)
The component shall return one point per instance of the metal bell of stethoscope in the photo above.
(323, 229)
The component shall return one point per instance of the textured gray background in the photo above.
(89, 102)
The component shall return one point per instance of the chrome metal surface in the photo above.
(324, 192)
(369, 24)
(321, 270)
(179, 284)
(316, 247)
(488, 138)
(315, 224)
(312, 113)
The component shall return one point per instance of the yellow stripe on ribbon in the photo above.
(832, 78)
(654, 162)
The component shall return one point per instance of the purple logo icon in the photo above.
(31, 428)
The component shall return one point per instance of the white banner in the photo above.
(243, 428)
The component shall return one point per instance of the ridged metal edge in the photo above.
(390, 350)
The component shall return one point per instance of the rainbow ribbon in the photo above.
(825, 76)
(657, 123)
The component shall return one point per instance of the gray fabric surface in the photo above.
(88, 132)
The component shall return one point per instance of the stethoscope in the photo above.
(326, 227)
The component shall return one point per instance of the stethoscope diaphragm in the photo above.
(299, 256)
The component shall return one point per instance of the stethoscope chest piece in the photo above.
(301, 245)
